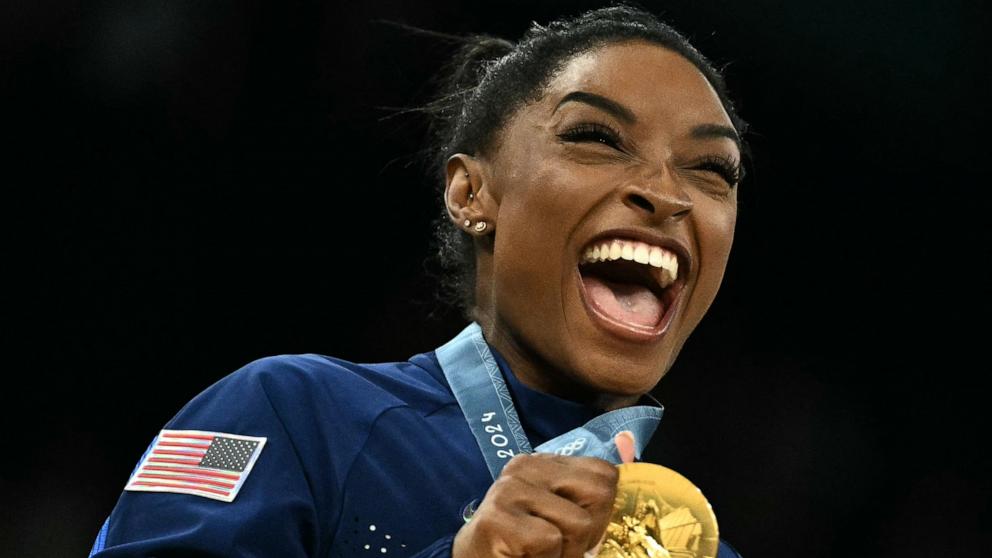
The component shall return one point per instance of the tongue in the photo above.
(624, 302)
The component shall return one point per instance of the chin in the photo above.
(608, 372)
(618, 364)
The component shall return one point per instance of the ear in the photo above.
(465, 195)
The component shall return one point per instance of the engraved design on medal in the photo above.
(659, 514)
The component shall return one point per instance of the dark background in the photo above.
(193, 185)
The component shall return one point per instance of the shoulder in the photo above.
(313, 387)
(314, 412)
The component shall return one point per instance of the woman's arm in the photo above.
(273, 512)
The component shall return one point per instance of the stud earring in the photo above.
(480, 226)
(471, 196)
(468, 223)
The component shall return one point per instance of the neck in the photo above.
(538, 374)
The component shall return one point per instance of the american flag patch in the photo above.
(209, 464)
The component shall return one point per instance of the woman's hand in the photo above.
(544, 505)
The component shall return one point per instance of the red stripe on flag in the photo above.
(190, 486)
(180, 461)
(186, 479)
(190, 436)
(184, 445)
(179, 452)
(191, 470)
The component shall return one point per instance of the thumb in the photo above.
(625, 445)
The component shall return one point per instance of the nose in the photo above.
(660, 199)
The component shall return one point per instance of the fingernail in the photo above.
(625, 445)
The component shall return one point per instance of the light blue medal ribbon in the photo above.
(476, 381)
(478, 385)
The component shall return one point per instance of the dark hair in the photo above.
(489, 79)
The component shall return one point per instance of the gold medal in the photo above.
(658, 513)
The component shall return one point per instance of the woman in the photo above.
(590, 175)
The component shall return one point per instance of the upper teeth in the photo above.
(640, 252)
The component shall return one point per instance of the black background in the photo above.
(193, 185)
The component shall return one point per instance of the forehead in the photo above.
(649, 79)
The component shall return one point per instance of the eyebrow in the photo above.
(609, 105)
(710, 131)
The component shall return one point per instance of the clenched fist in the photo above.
(544, 505)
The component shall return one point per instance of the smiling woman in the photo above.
(589, 178)
(626, 168)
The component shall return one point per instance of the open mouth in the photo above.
(631, 287)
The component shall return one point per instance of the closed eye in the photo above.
(592, 132)
(725, 167)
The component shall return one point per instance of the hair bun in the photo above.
(470, 63)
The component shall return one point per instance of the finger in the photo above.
(580, 479)
(541, 539)
(513, 495)
(594, 551)
(509, 532)
(625, 445)
(579, 528)
(587, 482)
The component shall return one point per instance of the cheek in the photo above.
(714, 226)
(540, 208)
(530, 234)
(716, 235)
(519, 256)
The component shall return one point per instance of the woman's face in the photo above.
(627, 155)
